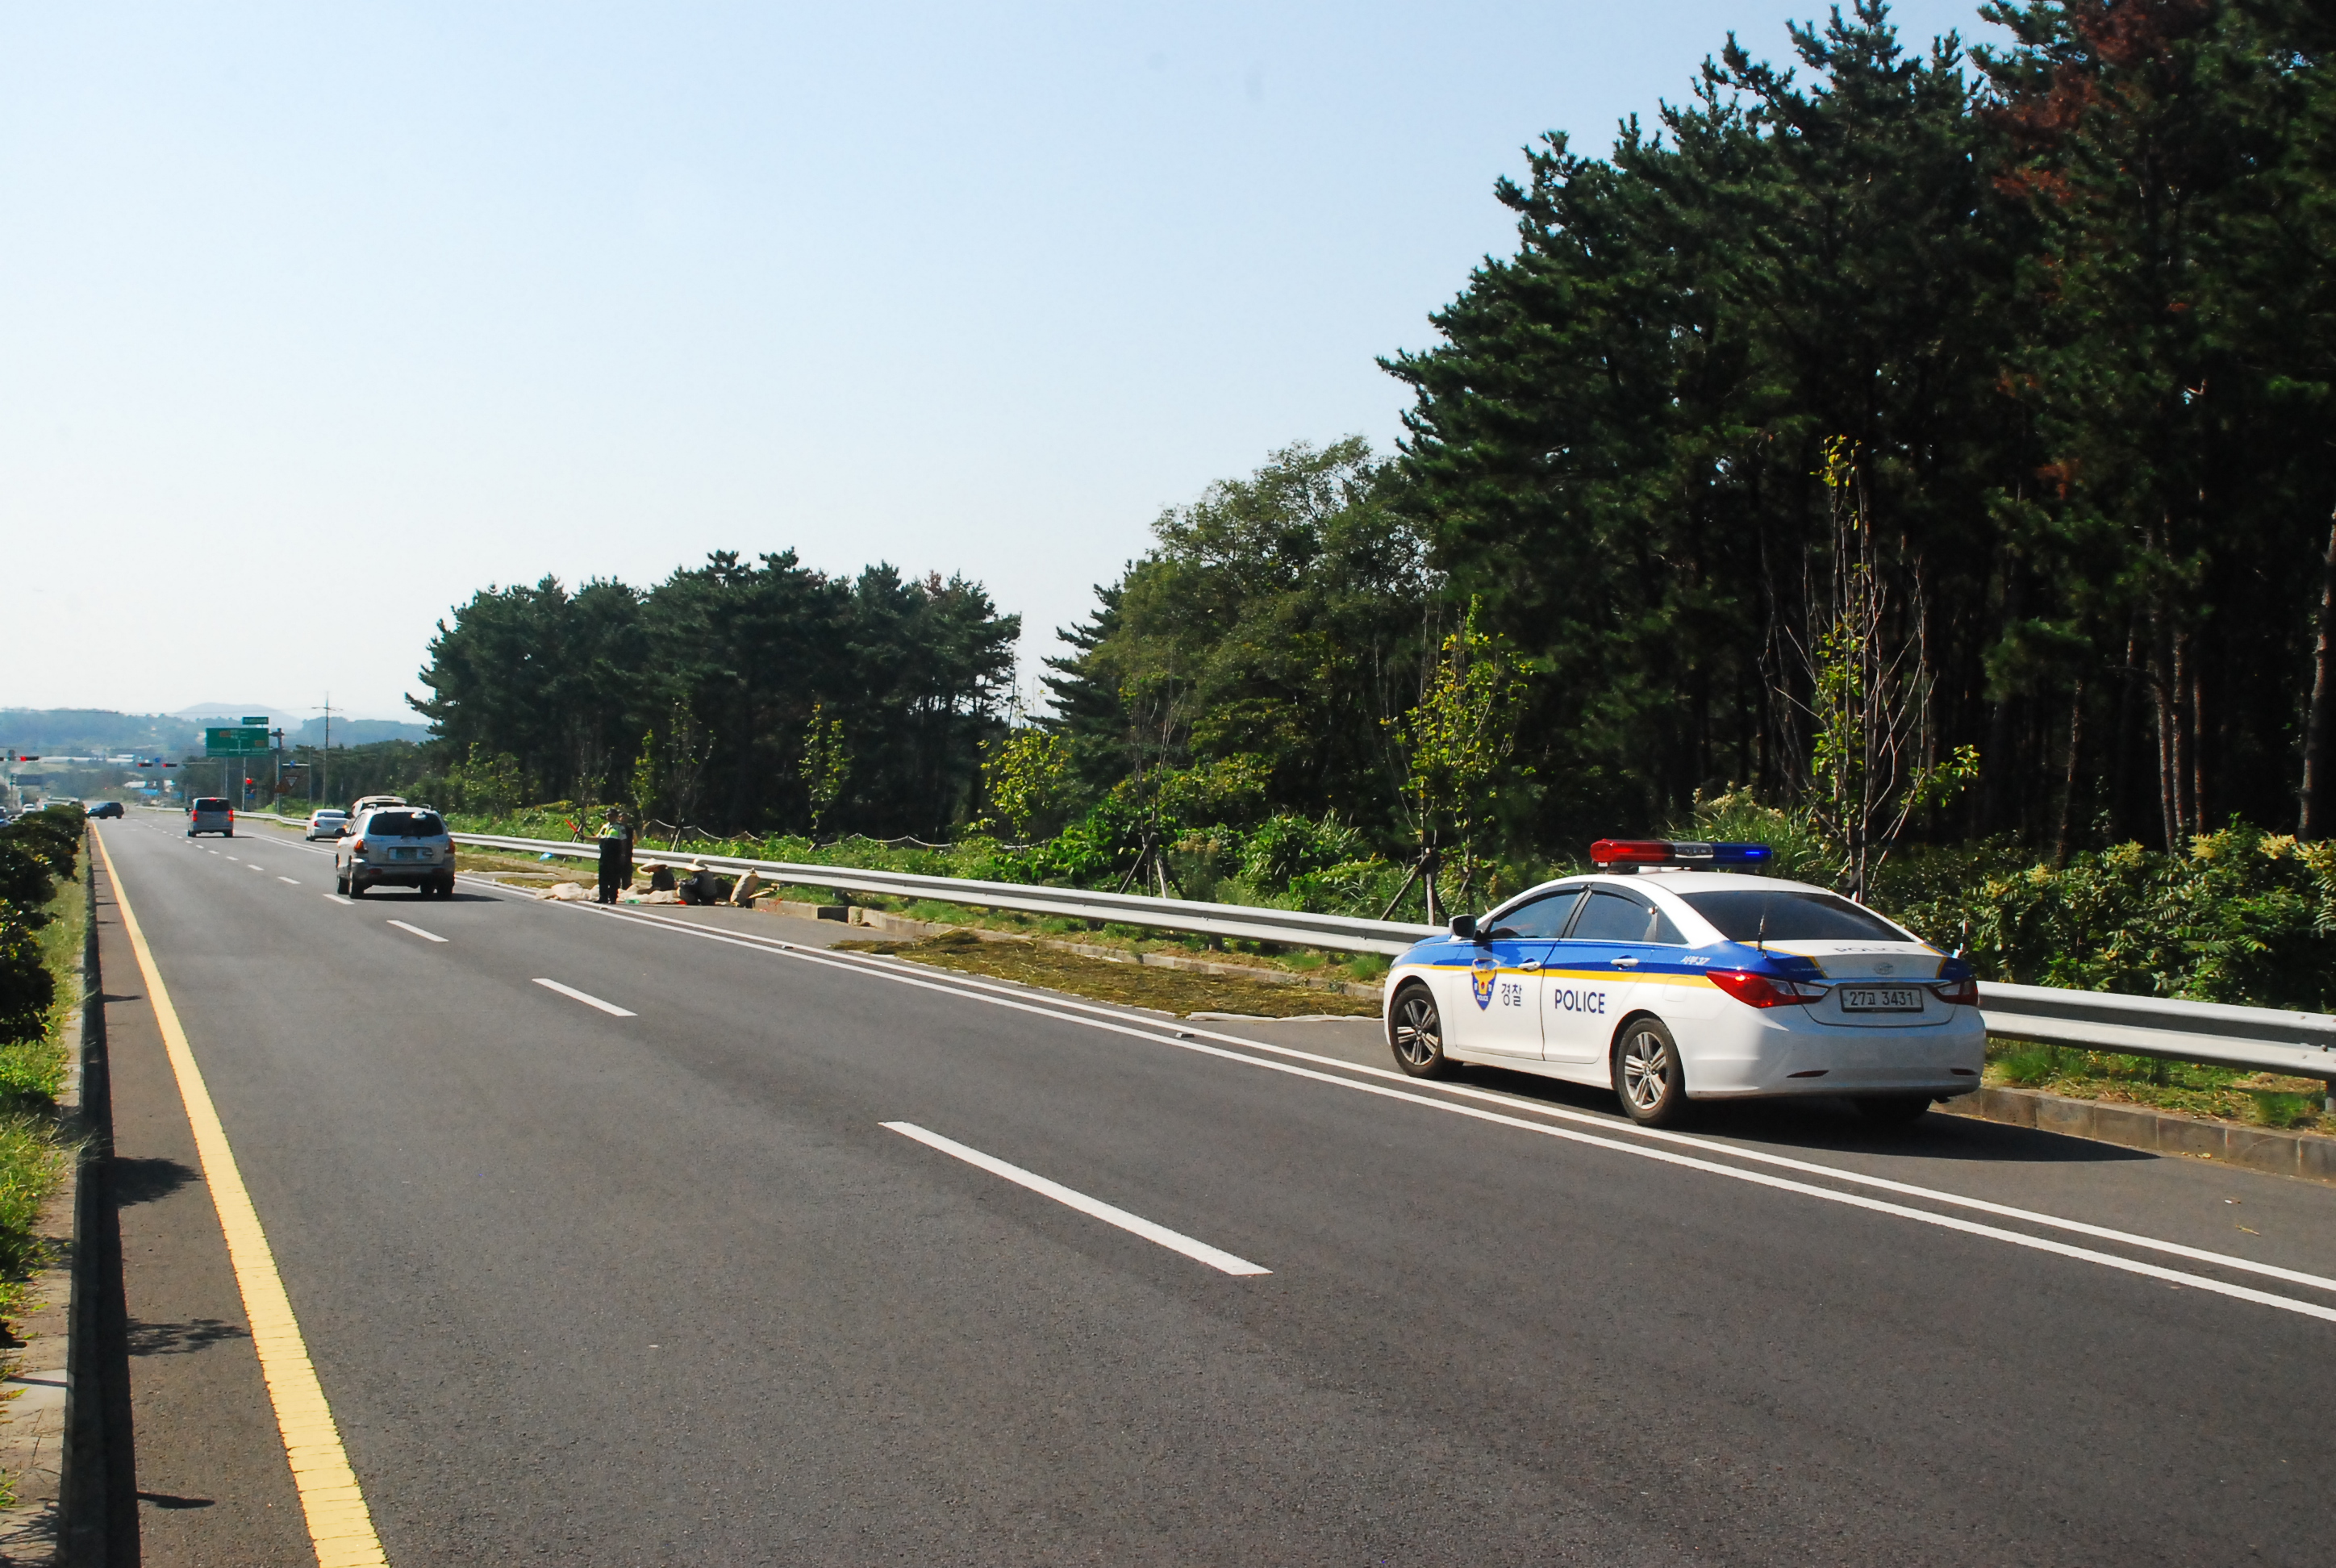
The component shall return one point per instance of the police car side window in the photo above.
(1608, 916)
(1665, 933)
(1543, 917)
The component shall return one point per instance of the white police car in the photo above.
(1695, 984)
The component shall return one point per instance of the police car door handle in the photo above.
(1625, 962)
(1530, 964)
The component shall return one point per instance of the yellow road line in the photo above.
(339, 1525)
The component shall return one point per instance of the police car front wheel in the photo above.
(1416, 1032)
(1646, 1076)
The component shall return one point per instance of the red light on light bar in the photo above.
(1630, 852)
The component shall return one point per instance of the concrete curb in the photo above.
(2267, 1149)
(901, 925)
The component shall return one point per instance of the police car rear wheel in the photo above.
(1418, 1034)
(1646, 1076)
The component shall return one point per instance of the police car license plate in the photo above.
(1881, 1000)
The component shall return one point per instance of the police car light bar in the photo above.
(1630, 853)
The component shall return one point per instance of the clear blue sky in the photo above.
(314, 319)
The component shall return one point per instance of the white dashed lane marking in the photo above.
(417, 931)
(590, 1001)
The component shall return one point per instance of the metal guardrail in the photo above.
(2268, 1039)
(1339, 933)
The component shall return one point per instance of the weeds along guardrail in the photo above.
(2266, 1040)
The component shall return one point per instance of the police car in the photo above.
(1676, 973)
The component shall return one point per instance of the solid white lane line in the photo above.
(1110, 1214)
(287, 879)
(417, 931)
(1755, 1178)
(1783, 1162)
(590, 1001)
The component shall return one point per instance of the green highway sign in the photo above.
(236, 740)
(258, 718)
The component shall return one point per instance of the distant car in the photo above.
(212, 814)
(106, 809)
(395, 846)
(325, 825)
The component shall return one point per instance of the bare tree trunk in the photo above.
(2310, 820)
(2068, 782)
(2197, 734)
(2185, 815)
(2169, 771)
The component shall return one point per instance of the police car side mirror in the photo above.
(1464, 928)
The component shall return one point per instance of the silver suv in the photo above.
(395, 846)
(212, 814)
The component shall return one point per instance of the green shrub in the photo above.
(2240, 915)
(26, 987)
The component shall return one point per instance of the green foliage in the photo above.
(1276, 617)
(2240, 916)
(26, 987)
(1026, 774)
(726, 664)
(1282, 848)
(825, 762)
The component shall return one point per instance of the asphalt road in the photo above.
(665, 1287)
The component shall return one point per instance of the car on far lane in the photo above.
(212, 814)
(1672, 975)
(326, 823)
(395, 846)
(106, 809)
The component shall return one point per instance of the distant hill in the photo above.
(354, 731)
(217, 713)
(84, 731)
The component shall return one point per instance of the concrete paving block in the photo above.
(2182, 1135)
(2262, 1149)
(2070, 1119)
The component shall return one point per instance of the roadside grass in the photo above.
(2191, 1088)
(1178, 991)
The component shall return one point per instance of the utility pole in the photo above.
(324, 758)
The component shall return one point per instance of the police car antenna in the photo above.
(1761, 940)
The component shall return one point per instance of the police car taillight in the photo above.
(1631, 853)
(1762, 990)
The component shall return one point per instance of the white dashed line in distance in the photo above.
(590, 1001)
(417, 931)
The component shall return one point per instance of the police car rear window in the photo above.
(405, 824)
(1790, 917)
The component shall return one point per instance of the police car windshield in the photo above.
(1790, 917)
(405, 824)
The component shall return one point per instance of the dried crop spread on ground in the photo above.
(1179, 991)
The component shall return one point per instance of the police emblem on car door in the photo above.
(1504, 974)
